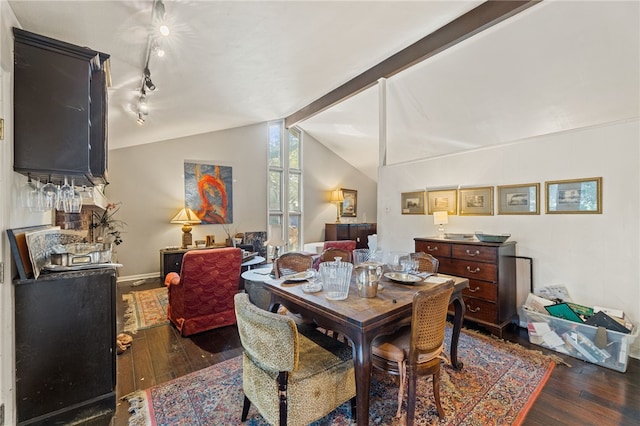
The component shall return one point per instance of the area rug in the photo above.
(497, 386)
(145, 309)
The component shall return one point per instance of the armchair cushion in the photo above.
(201, 296)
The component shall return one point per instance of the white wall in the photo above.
(148, 180)
(595, 256)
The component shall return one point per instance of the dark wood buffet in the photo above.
(359, 232)
(490, 299)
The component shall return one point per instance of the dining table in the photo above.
(362, 319)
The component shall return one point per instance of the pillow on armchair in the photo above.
(201, 296)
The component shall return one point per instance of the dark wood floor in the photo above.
(583, 394)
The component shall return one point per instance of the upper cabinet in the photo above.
(60, 110)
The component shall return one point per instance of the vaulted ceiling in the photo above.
(556, 66)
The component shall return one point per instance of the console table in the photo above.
(490, 299)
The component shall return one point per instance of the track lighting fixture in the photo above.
(153, 45)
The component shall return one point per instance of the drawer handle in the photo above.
(473, 311)
(429, 248)
(473, 271)
(473, 253)
(474, 290)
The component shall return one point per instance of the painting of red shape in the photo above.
(208, 192)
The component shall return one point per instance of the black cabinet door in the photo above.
(65, 331)
(59, 110)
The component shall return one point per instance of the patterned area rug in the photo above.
(497, 386)
(145, 309)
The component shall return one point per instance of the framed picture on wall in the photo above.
(443, 200)
(349, 207)
(475, 201)
(574, 196)
(413, 202)
(519, 199)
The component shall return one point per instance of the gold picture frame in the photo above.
(413, 202)
(519, 199)
(475, 201)
(349, 207)
(574, 196)
(443, 200)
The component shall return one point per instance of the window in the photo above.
(285, 182)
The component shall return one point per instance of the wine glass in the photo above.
(75, 201)
(65, 192)
(49, 195)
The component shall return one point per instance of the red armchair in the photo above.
(201, 296)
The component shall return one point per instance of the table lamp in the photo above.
(337, 197)
(441, 219)
(275, 240)
(186, 217)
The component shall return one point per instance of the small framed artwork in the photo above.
(443, 200)
(519, 199)
(413, 202)
(349, 207)
(475, 201)
(574, 196)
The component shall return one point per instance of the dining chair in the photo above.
(426, 262)
(292, 376)
(292, 262)
(417, 349)
(331, 254)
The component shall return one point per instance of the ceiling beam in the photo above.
(476, 20)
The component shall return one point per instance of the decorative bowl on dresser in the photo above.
(490, 299)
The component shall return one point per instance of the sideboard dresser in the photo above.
(490, 299)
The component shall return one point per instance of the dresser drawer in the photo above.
(434, 248)
(477, 253)
(480, 309)
(482, 290)
(468, 269)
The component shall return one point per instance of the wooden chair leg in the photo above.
(411, 394)
(245, 408)
(436, 392)
(354, 410)
(283, 378)
(402, 370)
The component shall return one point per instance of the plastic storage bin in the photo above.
(578, 340)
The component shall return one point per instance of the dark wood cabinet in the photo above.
(65, 331)
(358, 232)
(60, 110)
(171, 261)
(490, 298)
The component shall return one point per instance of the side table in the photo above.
(254, 285)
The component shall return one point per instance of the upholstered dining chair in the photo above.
(201, 296)
(331, 254)
(417, 349)
(292, 262)
(292, 377)
(426, 262)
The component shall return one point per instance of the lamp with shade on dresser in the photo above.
(186, 217)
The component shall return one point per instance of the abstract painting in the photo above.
(208, 191)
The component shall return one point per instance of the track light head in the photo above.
(140, 119)
(149, 83)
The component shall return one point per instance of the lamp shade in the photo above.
(337, 196)
(440, 218)
(275, 236)
(186, 216)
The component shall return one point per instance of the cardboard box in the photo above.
(578, 340)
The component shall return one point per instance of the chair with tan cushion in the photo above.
(292, 377)
(292, 262)
(417, 349)
(426, 262)
(201, 296)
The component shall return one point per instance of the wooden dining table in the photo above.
(362, 319)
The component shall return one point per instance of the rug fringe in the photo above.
(129, 315)
(138, 408)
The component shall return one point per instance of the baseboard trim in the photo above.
(138, 277)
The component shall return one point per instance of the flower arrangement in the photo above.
(108, 227)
